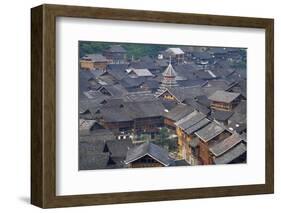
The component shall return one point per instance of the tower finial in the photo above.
(170, 59)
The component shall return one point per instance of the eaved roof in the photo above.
(182, 93)
(117, 49)
(231, 155)
(192, 122)
(156, 152)
(118, 74)
(141, 72)
(223, 96)
(178, 112)
(210, 131)
(86, 124)
(197, 126)
(221, 115)
(129, 82)
(169, 71)
(129, 111)
(139, 96)
(226, 144)
(95, 57)
(114, 90)
(181, 162)
(175, 50)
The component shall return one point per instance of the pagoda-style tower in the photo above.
(169, 79)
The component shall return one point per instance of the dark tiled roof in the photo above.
(132, 110)
(140, 96)
(238, 127)
(156, 152)
(85, 126)
(221, 84)
(209, 132)
(178, 112)
(118, 74)
(119, 149)
(151, 84)
(197, 126)
(231, 155)
(181, 163)
(241, 107)
(114, 67)
(226, 144)
(223, 72)
(128, 82)
(113, 102)
(103, 155)
(190, 120)
(169, 105)
(115, 114)
(182, 93)
(238, 118)
(84, 81)
(93, 160)
(91, 146)
(114, 90)
(191, 83)
(187, 71)
(145, 109)
(197, 106)
(144, 65)
(98, 135)
(221, 115)
(205, 75)
(94, 96)
(223, 96)
(244, 137)
(140, 72)
(203, 100)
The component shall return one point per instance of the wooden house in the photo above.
(230, 150)
(186, 127)
(209, 136)
(175, 114)
(116, 54)
(142, 116)
(176, 54)
(93, 62)
(222, 100)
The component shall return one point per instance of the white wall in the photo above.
(15, 106)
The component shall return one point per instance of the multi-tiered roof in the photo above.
(169, 79)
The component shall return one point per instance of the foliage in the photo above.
(135, 50)
(164, 139)
(88, 47)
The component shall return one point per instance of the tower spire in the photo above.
(169, 79)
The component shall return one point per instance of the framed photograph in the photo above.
(137, 106)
